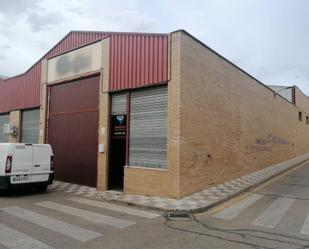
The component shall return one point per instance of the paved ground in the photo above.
(272, 216)
(196, 202)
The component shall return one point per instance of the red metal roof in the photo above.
(136, 59)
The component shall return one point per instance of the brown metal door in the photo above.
(73, 130)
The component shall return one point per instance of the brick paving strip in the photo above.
(196, 202)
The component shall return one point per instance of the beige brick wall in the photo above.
(149, 182)
(102, 177)
(102, 170)
(230, 124)
(43, 102)
(174, 138)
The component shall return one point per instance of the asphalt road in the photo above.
(275, 215)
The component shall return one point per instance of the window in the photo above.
(4, 119)
(300, 116)
(30, 126)
(307, 120)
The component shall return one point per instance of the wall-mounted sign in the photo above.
(75, 62)
(119, 126)
(66, 64)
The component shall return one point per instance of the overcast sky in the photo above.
(267, 38)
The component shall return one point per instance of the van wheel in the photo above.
(42, 188)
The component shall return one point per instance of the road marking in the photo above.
(13, 239)
(305, 228)
(87, 215)
(273, 214)
(116, 208)
(234, 210)
(58, 226)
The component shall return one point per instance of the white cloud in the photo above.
(39, 21)
(269, 39)
(133, 20)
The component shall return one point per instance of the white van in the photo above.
(22, 164)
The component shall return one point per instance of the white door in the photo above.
(41, 163)
(21, 164)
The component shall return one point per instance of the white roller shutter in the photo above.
(148, 128)
(119, 104)
(30, 126)
(4, 119)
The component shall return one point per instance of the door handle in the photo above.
(37, 165)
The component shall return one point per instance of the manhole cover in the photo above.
(178, 215)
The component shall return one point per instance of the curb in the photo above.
(200, 210)
(223, 199)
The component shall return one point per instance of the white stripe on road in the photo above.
(116, 208)
(305, 228)
(58, 226)
(87, 215)
(13, 239)
(234, 210)
(273, 214)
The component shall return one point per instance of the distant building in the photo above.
(286, 92)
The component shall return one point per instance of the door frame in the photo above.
(127, 114)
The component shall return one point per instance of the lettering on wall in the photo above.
(266, 144)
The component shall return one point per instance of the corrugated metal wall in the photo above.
(22, 91)
(137, 60)
(74, 40)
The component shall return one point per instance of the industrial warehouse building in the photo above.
(152, 114)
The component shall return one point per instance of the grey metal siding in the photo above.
(4, 119)
(148, 128)
(119, 104)
(30, 126)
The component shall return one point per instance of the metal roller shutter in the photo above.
(4, 119)
(119, 104)
(30, 126)
(148, 128)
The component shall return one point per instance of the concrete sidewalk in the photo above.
(196, 202)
